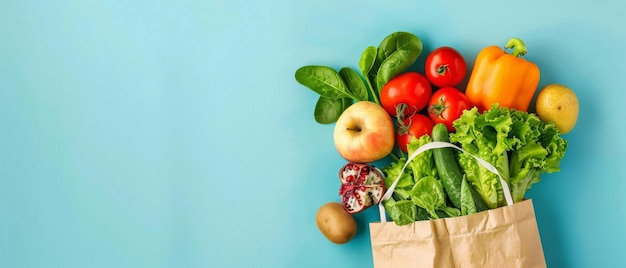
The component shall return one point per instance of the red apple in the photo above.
(364, 133)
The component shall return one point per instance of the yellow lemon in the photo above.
(558, 103)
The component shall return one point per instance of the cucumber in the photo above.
(448, 168)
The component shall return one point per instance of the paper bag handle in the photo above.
(436, 145)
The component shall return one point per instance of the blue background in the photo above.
(173, 133)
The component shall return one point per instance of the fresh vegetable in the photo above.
(445, 67)
(428, 194)
(467, 203)
(402, 209)
(416, 125)
(406, 94)
(338, 90)
(328, 110)
(394, 55)
(446, 105)
(518, 144)
(422, 165)
(335, 94)
(327, 82)
(362, 186)
(506, 79)
(335, 223)
(450, 173)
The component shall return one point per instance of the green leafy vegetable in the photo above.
(325, 81)
(395, 54)
(354, 82)
(337, 90)
(422, 165)
(423, 203)
(518, 144)
(405, 182)
(328, 110)
(468, 206)
(377, 65)
(368, 58)
(401, 212)
(428, 193)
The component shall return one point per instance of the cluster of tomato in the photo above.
(416, 106)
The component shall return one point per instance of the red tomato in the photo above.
(445, 67)
(446, 105)
(416, 125)
(408, 92)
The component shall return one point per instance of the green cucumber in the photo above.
(450, 173)
(448, 168)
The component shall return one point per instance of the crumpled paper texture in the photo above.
(502, 237)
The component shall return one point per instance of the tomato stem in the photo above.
(438, 108)
(442, 69)
(518, 46)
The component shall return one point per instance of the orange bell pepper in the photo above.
(506, 79)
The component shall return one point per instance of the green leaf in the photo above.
(428, 193)
(467, 200)
(367, 62)
(367, 59)
(449, 212)
(402, 212)
(328, 110)
(325, 81)
(423, 165)
(518, 144)
(354, 82)
(396, 53)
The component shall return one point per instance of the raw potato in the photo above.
(335, 223)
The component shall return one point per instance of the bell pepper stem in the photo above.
(519, 48)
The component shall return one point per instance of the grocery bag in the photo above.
(505, 237)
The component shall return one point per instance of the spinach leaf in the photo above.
(428, 193)
(368, 58)
(328, 110)
(324, 80)
(354, 82)
(402, 212)
(395, 54)
(366, 63)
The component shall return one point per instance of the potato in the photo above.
(335, 223)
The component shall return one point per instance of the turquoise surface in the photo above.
(173, 133)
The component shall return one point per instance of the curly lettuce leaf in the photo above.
(405, 183)
(518, 144)
(542, 154)
(485, 135)
(423, 165)
(484, 182)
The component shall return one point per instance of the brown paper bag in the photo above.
(505, 237)
(499, 238)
